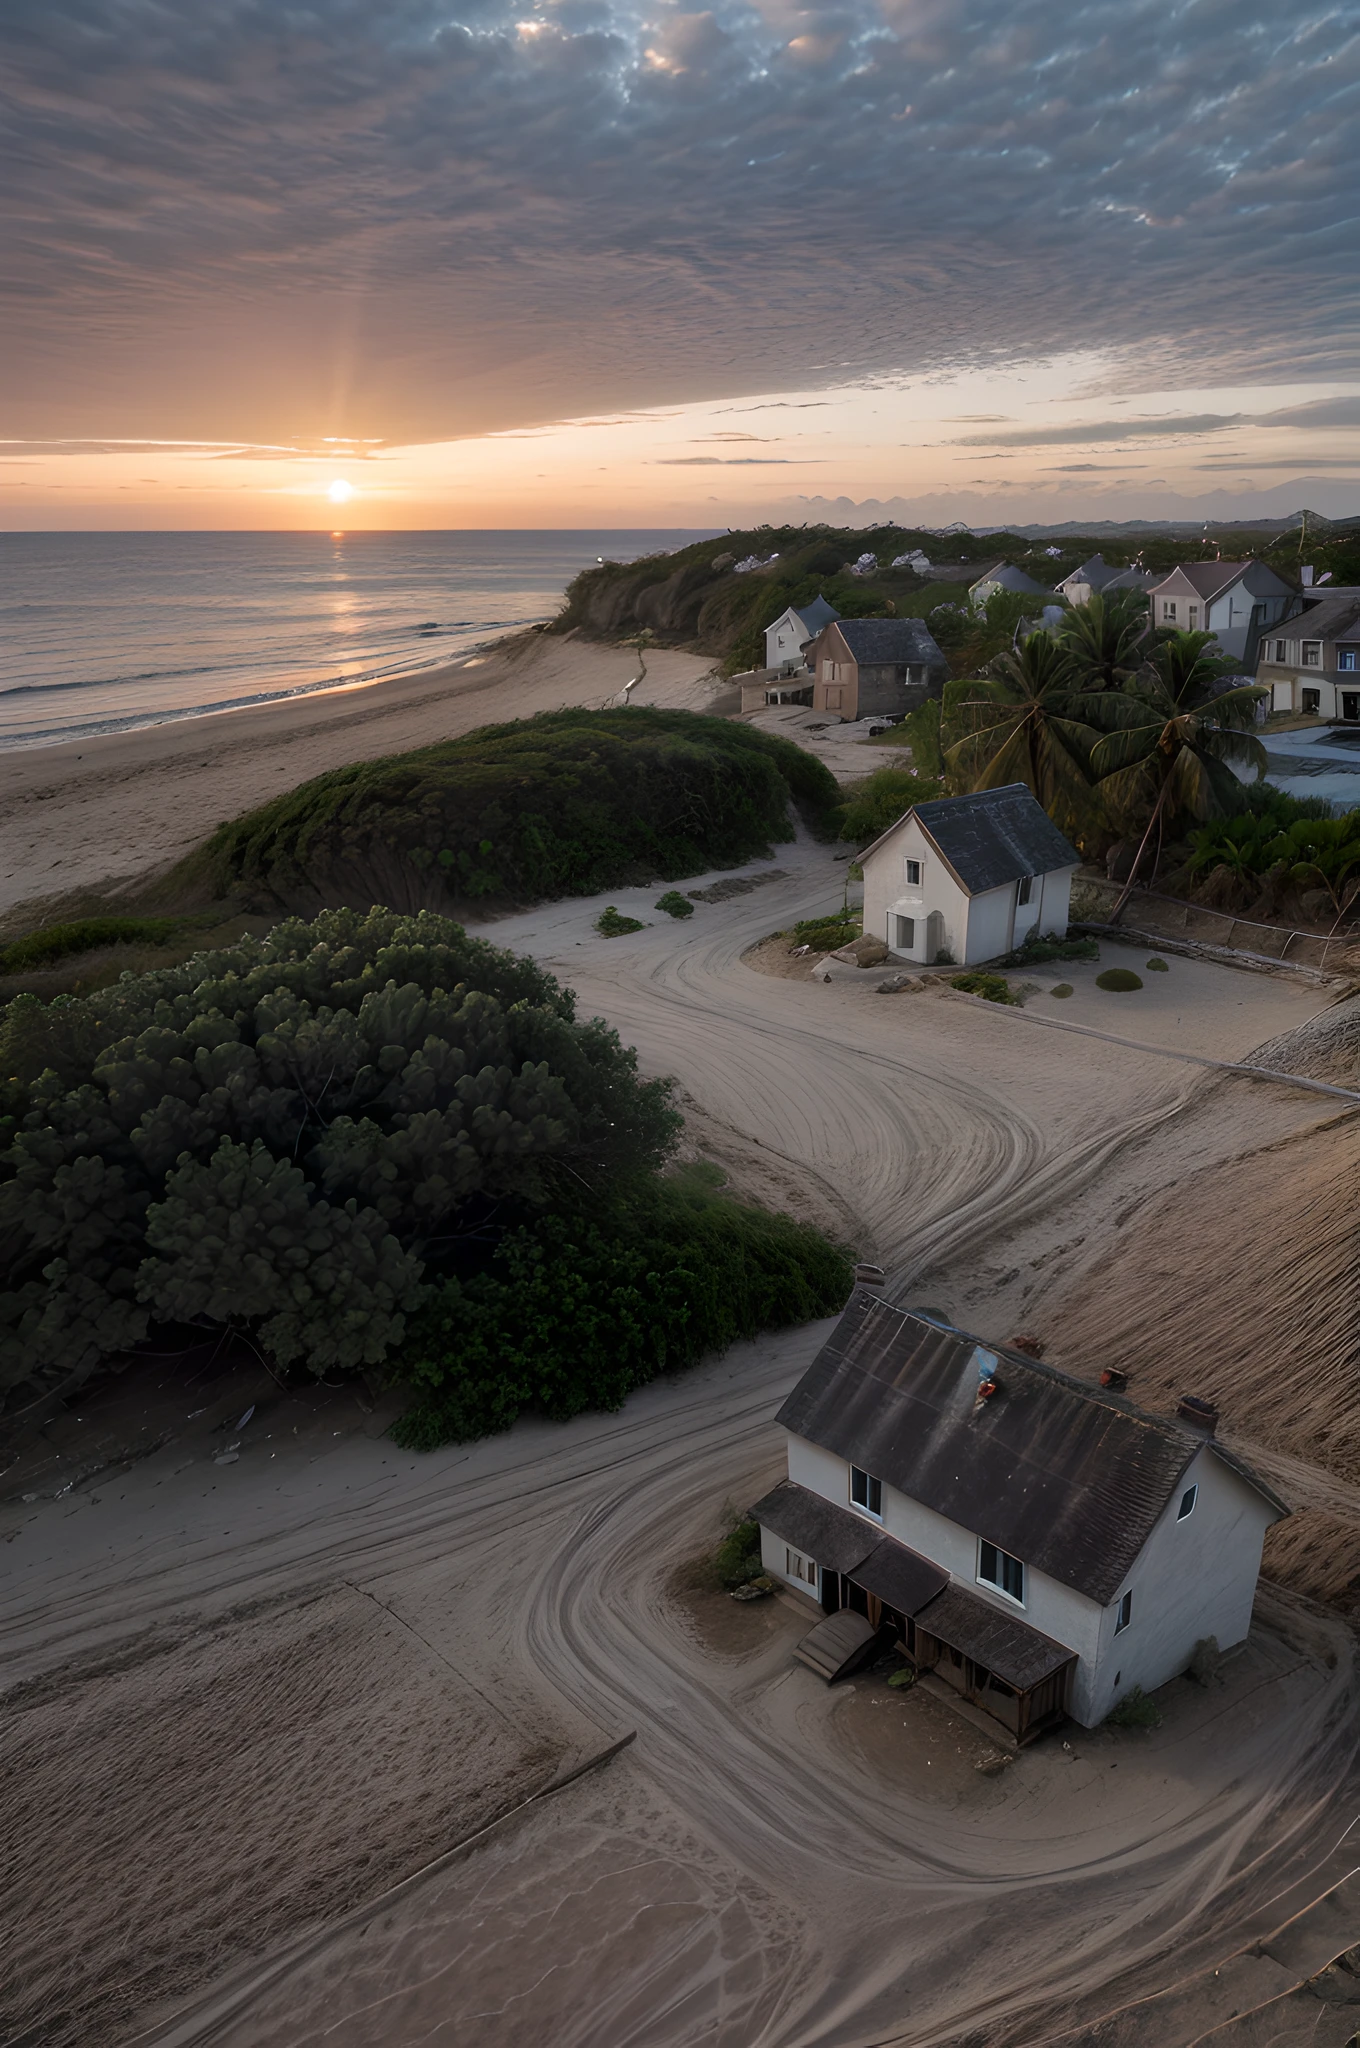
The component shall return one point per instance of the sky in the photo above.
(582, 263)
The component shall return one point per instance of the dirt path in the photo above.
(755, 1872)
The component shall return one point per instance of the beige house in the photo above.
(1235, 601)
(875, 668)
(968, 877)
(1035, 1544)
(1311, 662)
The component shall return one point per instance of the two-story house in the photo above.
(787, 637)
(1035, 1544)
(968, 877)
(1235, 601)
(1311, 660)
(875, 668)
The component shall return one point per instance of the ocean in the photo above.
(104, 632)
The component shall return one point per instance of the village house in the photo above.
(968, 877)
(1038, 1546)
(1005, 576)
(1235, 601)
(875, 668)
(788, 636)
(1097, 579)
(1311, 661)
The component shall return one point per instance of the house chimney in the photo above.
(1033, 1347)
(1203, 1414)
(1306, 576)
(1114, 1379)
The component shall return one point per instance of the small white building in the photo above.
(1235, 601)
(968, 877)
(1097, 579)
(1004, 577)
(789, 634)
(1035, 1543)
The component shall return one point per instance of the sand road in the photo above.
(763, 1869)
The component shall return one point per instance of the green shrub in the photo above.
(1119, 980)
(59, 941)
(290, 1136)
(1063, 988)
(737, 1560)
(612, 924)
(1135, 1710)
(674, 904)
(1156, 967)
(826, 934)
(579, 1310)
(993, 988)
(880, 800)
(1035, 952)
(921, 730)
(565, 804)
(903, 1677)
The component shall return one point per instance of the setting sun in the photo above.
(340, 492)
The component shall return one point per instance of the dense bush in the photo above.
(59, 941)
(993, 988)
(737, 1560)
(1035, 952)
(578, 1311)
(612, 924)
(880, 800)
(283, 1134)
(827, 934)
(674, 904)
(1135, 1710)
(565, 804)
(1119, 980)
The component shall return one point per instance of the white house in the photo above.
(1235, 601)
(1035, 1543)
(789, 634)
(1097, 579)
(1004, 577)
(968, 877)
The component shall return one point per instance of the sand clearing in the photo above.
(115, 809)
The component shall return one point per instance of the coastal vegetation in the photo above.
(565, 804)
(366, 1141)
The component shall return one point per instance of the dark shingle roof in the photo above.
(1062, 1475)
(897, 640)
(993, 836)
(1323, 621)
(817, 614)
(1004, 1643)
(847, 1543)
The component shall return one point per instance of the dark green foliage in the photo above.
(580, 1310)
(1035, 952)
(59, 941)
(880, 800)
(827, 934)
(1119, 980)
(674, 904)
(1156, 966)
(282, 1134)
(564, 804)
(1062, 988)
(1296, 843)
(1135, 1710)
(993, 988)
(737, 1560)
(612, 924)
(922, 732)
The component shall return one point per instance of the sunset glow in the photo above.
(340, 492)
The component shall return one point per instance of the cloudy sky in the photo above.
(580, 262)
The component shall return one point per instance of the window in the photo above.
(1310, 700)
(1125, 1614)
(1312, 654)
(997, 1568)
(1168, 607)
(1025, 889)
(1187, 1506)
(906, 934)
(912, 870)
(866, 1492)
(1280, 650)
(796, 1567)
(1194, 617)
(1345, 657)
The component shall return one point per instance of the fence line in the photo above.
(1227, 917)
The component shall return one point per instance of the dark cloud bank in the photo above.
(241, 218)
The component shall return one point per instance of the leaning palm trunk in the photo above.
(1127, 890)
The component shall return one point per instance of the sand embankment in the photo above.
(113, 810)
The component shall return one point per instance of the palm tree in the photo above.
(1173, 740)
(1105, 638)
(1028, 721)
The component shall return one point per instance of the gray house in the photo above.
(1097, 579)
(1311, 661)
(1004, 577)
(875, 668)
(787, 637)
(1235, 601)
(1036, 1544)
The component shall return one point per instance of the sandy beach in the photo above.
(109, 812)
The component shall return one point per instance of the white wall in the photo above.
(774, 1556)
(783, 642)
(887, 894)
(989, 924)
(1192, 1579)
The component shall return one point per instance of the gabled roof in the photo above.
(1064, 1476)
(1008, 577)
(991, 837)
(1096, 572)
(1325, 621)
(1209, 579)
(817, 614)
(895, 640)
